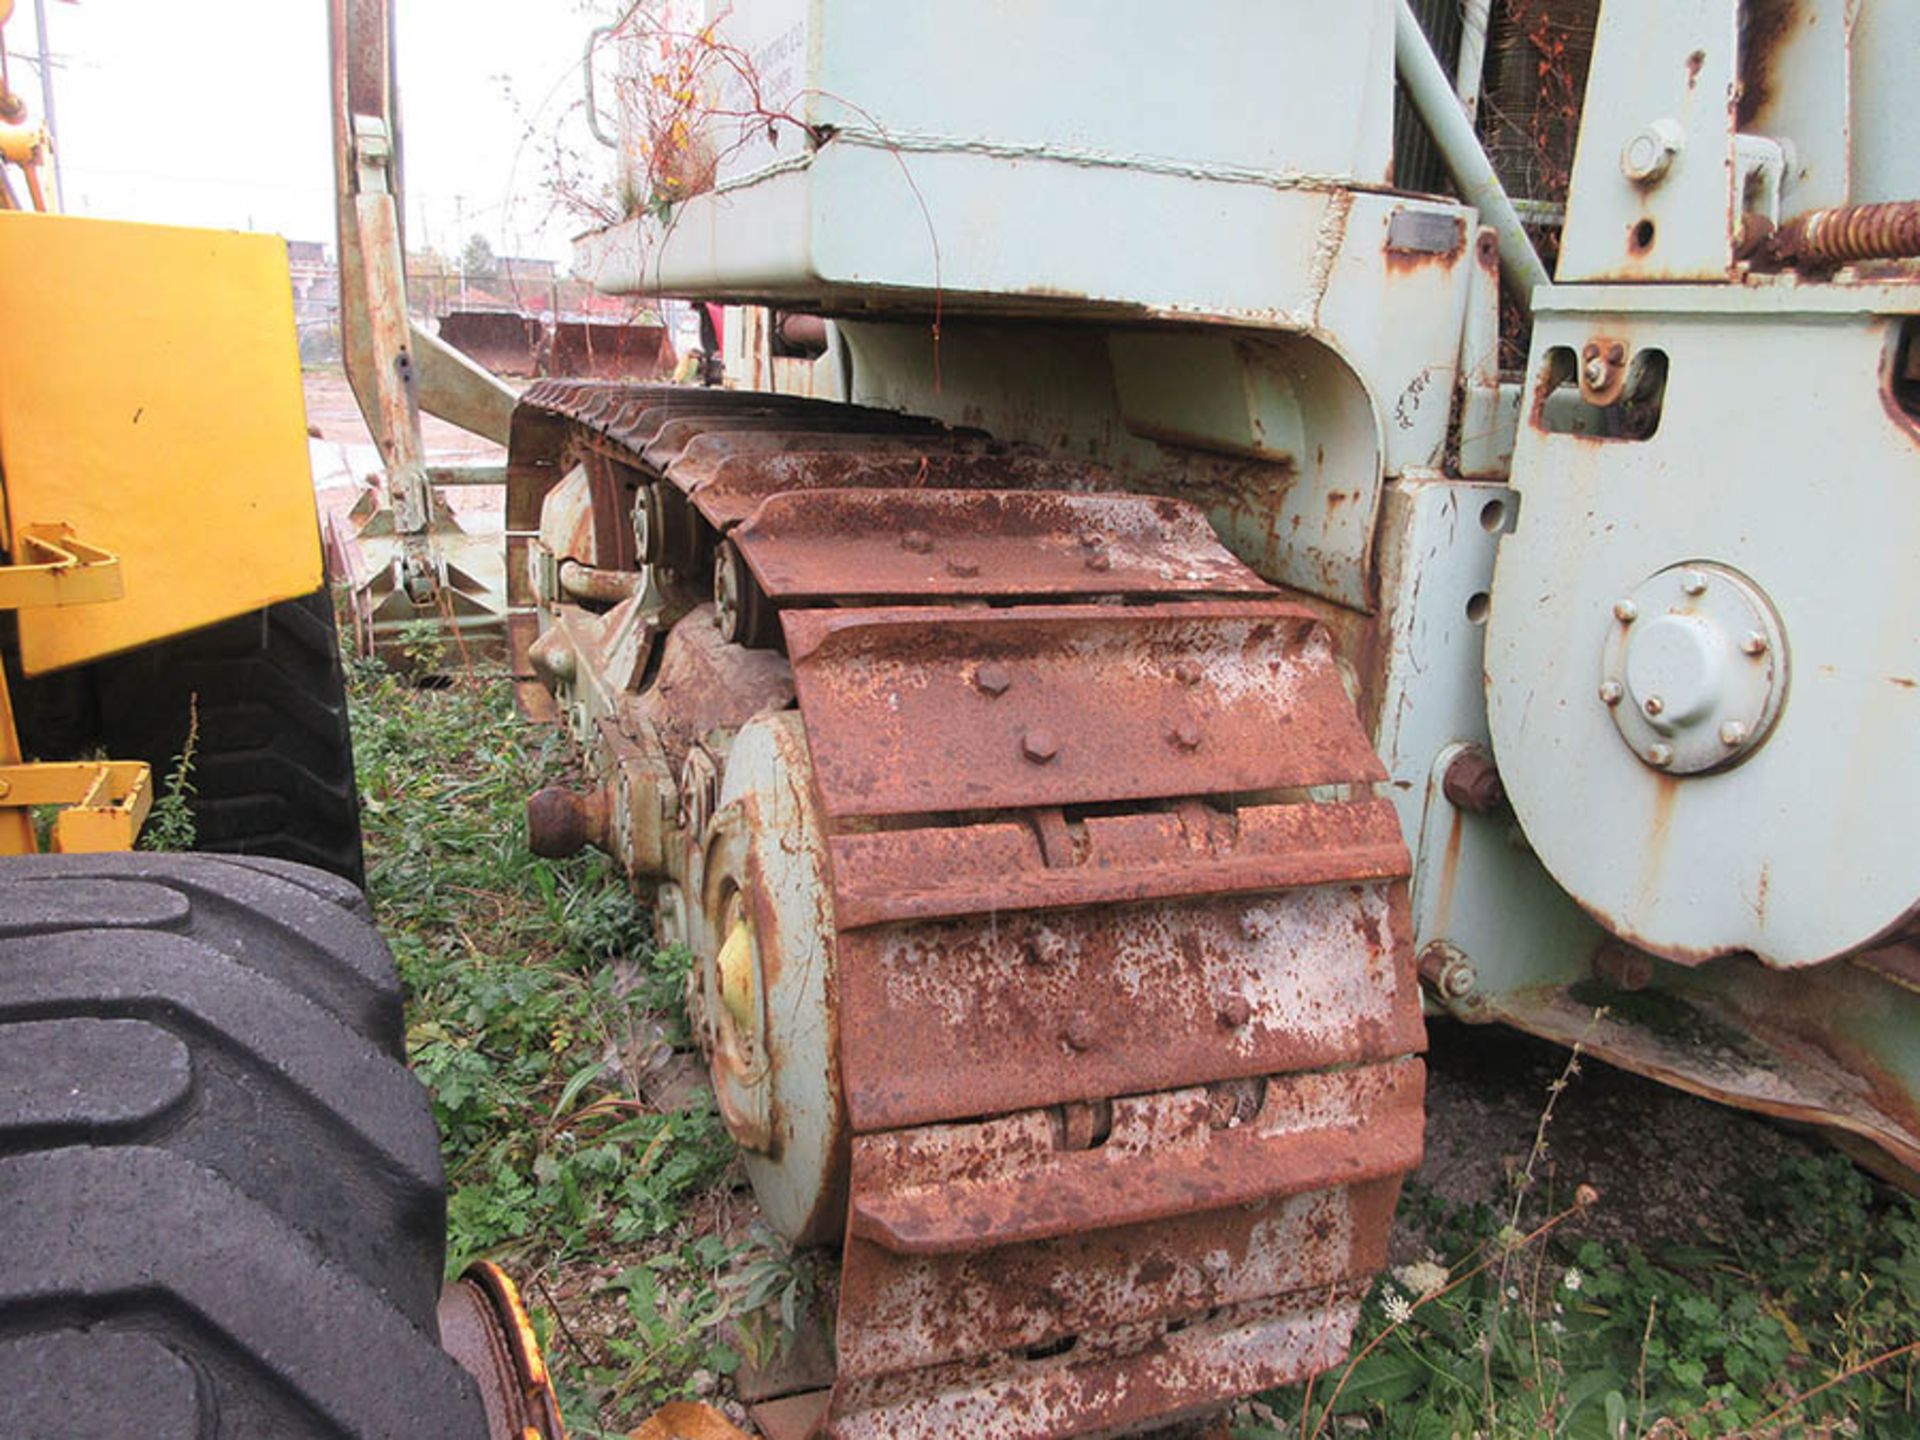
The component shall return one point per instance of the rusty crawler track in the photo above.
(1124, 1020)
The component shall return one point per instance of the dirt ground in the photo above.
(1664, 1162)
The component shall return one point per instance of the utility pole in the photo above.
(460, 239)
(46, 100)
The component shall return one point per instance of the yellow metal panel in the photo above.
(150, 399)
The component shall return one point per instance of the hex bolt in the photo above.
(1039, 745)
(1232, 1011)
(1092, 540)
(1612, 692)
(1733, 734)
(1187, 673)
(1625, 611)
(1472, 782)
(1654, 705)
(1660, 755)
(991, 678)
(964, 569)
(1597, 373)
(1099, 560)
(1078, 1031)
(1592, 352)
(1693, 583)
(1648, 153)
(1616, 353)
(1187, 735)
(1447, 970)
(1755, 644)
(918, 541)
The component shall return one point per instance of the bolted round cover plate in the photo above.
(1693, 668)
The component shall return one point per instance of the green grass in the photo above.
(532, 985)
(1795, 1311)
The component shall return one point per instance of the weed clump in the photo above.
(526, 981)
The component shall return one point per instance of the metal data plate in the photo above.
(906, 713)
(150, 398)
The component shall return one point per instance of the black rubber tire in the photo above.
(273, 762)
(222, 1204)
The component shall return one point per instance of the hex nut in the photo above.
(1039, 745)
(917, 541)
(1233, 1011)
(1187, 735)
(1472, 782)
(1625, 611)
(1611, 692)
(992, 678)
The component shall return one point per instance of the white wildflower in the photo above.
(1396, 1306)
(1571, 1279)
(1423, 1277)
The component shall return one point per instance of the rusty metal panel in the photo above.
(943, 1021)
(613, 350)
(1016, 1178)
(1046, 1291)
(1108, 1383)
(822, 544)
(897, 875)
(921, 710)
(503, 341)
(728, 486)
(827, 417)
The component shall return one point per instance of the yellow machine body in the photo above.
(150, 401)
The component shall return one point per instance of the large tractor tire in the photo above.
(273, 756)
(221, 1193)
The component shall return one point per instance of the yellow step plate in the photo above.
(150, 398)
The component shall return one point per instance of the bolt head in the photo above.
(1660, 755)
(1597, 373)
(1612, 692)
(1616, 353)
(964, 569)
(992, 678)
(1078, 1032)
(1187, 672)
(1092, 540)
(1039, 745)
(917, 541)
(1654, 705)
(1754, 644)
(1187, 735)
(1693, 583)
(1099, 560)
(1592, 352)
(1625, 611)
(1733, 734)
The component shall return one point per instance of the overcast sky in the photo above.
(215, 112)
